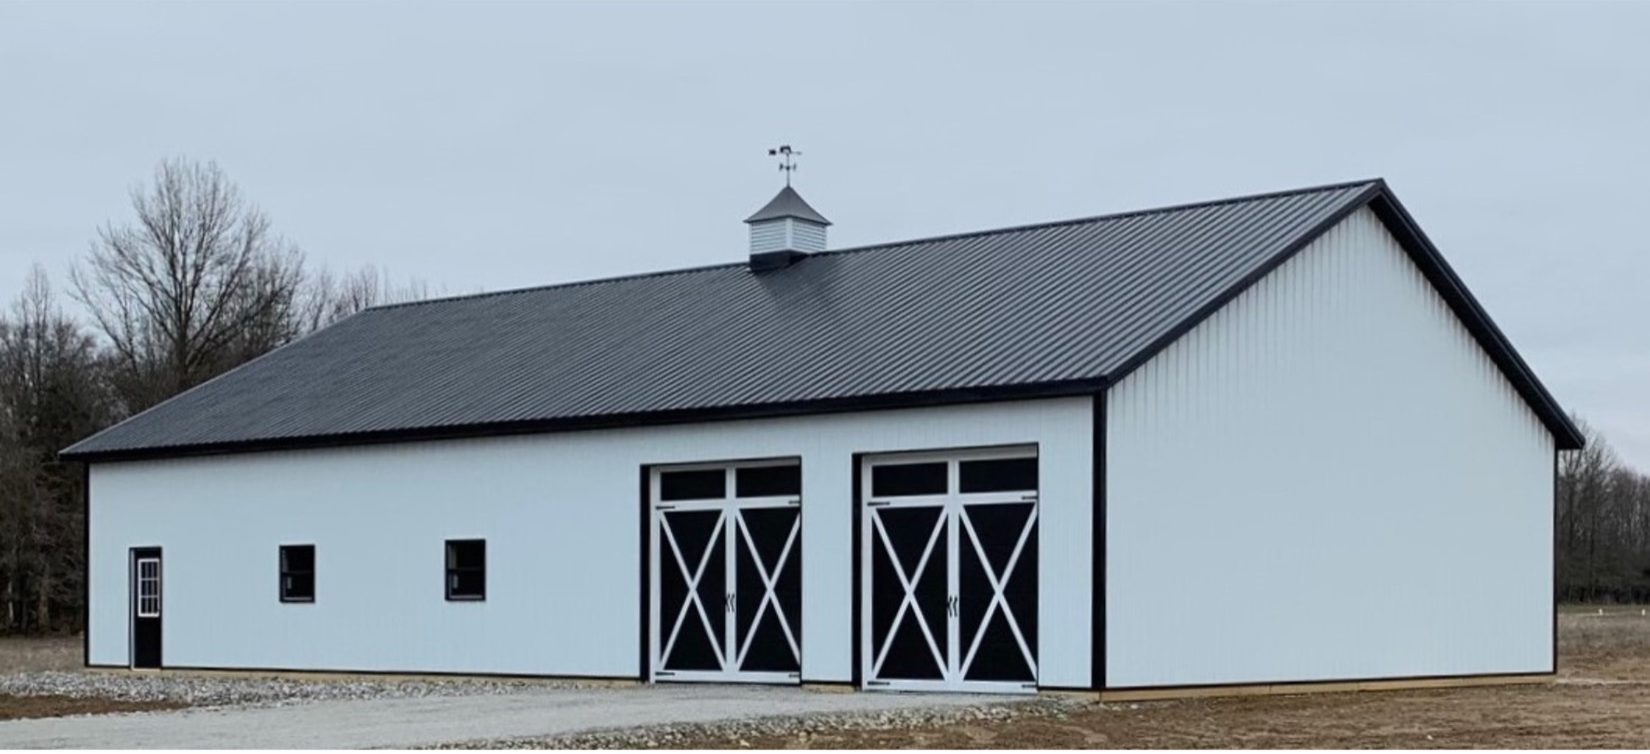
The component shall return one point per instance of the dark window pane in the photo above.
(299, 587)
(466, 553)
(998, 475)
(693, 485)
(466, 568)
(908, 479)
(297, 573)
(298, 558)
(769, 481)
(467, 584)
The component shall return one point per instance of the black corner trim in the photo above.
(916, 399)
(855, 676)
(644, 661)
(86, 560)
(1097, 549)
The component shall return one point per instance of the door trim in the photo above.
(952, 505)
(730, 507)
(135, 558)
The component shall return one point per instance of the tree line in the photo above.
(1603, 526)
(195, 283)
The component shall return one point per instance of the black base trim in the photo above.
(1328, 681)
(440, 673)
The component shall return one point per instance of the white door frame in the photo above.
(733, 536)
(953, 531)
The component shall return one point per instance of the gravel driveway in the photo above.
(538, 713)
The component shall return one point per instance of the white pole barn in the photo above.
(1257, 442)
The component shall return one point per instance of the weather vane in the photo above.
(787, 160)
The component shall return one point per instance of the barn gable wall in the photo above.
(560, 513)
(1327, 479)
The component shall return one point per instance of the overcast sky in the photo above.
(507, 145)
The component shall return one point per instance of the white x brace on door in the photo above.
(949, 571)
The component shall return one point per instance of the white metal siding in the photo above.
(806, 236)
(560, 516)
(1328, 479)
(786, 233)
(768, 235)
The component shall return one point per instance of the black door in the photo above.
(146, 607)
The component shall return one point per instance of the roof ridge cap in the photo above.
(1112, 215)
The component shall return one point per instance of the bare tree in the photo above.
(196, 285)
(50, 395)
(330, 298)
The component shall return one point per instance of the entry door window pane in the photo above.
(889, 480)
(148, 588)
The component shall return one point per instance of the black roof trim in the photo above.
(614, 421)
(1380, 199)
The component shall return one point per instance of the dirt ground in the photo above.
(20, 707)
(1601, 699)
(18, 655)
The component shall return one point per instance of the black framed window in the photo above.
(466, 569)
(998, 475)
(707, 484)
(297, 573)
(894, 479)
(768, 481)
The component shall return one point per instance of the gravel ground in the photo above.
(738, 733)
(216, 691)
(527, 718)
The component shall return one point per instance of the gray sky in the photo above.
(506, 145)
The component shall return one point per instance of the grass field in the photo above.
(1601, 699)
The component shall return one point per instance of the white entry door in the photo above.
(948, 546)
(726, 568)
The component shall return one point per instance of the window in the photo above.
(889, 480)
(710, 484)
(998, 475)
(466, 569)
(148, 588)
(297, 573)
(768, 481)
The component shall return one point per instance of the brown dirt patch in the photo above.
(1601, 699)
(20, 707)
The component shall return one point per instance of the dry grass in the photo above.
(23, 655)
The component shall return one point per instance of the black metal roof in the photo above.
(787, 203)
(1060, 308)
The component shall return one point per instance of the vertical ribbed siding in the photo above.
(559, 515)
(1328, 479)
